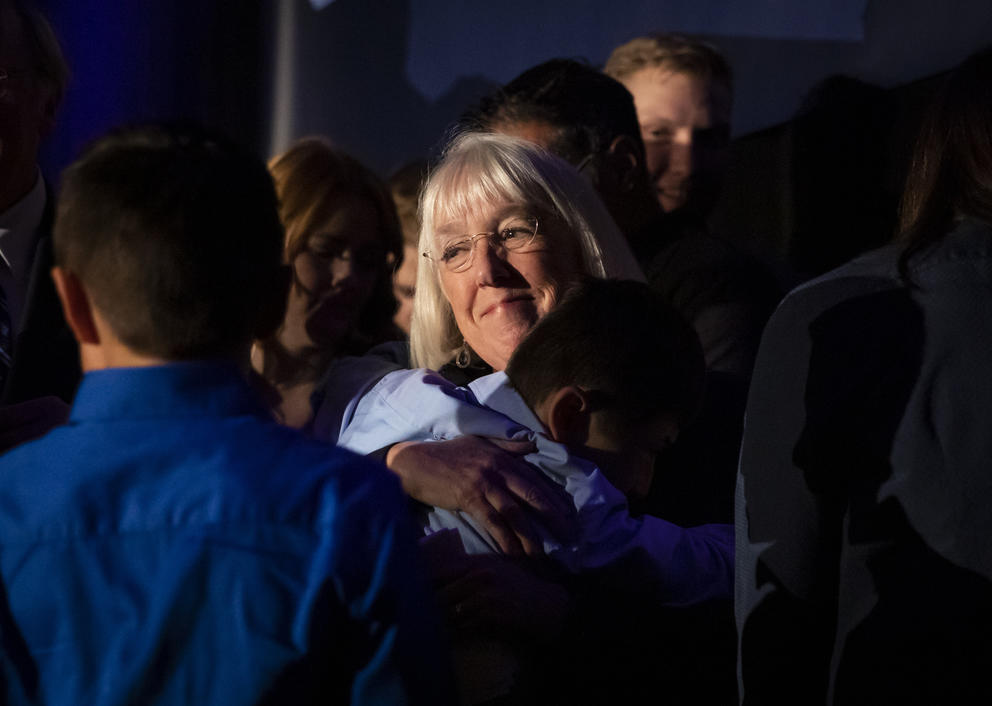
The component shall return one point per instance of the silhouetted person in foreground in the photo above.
(39, 369)
(863, 566)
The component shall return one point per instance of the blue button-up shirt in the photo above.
(172, 545)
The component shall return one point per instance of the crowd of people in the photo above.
(514, 426)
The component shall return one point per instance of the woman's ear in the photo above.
(567, 416)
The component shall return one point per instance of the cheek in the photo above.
(656, 157)
(307, 272)
(364, 282)
(554, 276)
(459, 290)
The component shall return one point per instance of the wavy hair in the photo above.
(313, 178)
(951, 172)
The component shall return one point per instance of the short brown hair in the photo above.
(175, 234)
(671, 51)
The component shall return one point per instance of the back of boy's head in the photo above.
(620, 340)
(175, 234)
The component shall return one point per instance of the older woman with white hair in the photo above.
(544, 226)
(507, 227)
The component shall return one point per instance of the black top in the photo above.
(864, 565)
(722, 291)
(46, 357)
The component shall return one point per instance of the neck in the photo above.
(102, 356)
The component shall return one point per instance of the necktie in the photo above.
(6, 348)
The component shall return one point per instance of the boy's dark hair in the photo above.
(619, 339)
(175, 233)
(587, 108)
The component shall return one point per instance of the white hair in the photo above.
(484, 168)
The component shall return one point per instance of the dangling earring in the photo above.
(463, 357)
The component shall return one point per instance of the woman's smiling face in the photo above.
(502, 293)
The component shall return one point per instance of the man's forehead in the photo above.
(537, 131)
(666, 88)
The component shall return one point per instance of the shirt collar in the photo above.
(188, 389)
(18, 225)
(496, 392)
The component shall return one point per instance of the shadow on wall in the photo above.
(842, 203)
(349, 83)
(810, 194)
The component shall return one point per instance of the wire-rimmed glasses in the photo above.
(515, 235)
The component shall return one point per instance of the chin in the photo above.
(671, 203)
(498, 355)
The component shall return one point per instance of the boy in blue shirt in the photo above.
(171, 544)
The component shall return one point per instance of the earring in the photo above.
(463, 357)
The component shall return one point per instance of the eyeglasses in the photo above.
(518, 234)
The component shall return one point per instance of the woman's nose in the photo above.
(489, 263)
(342, 268)
(680, 157)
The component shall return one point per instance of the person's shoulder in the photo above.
(37, 452)
(226, 475)
(963, 256)
(872, 272)
(347, 380)
(299, 466)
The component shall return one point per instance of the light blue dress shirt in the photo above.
(679, 565)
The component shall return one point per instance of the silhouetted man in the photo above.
(33, 77)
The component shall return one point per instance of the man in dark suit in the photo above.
(40, 358)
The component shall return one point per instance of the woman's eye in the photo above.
(327, 248)
(517, 233)
(456, 250)
(328, 253)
